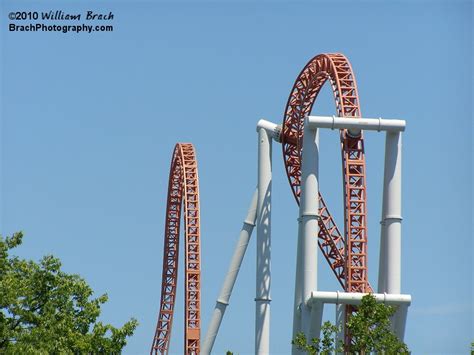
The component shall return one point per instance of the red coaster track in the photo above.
(183, 186)
(346, 256)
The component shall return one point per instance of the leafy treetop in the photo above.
(45, 310)
(370, 331)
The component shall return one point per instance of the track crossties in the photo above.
(183, 192)
(346, 256)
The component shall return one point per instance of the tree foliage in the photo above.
(44, 310)
(370, 330)
(324, 346)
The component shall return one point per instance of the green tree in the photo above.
(370, 331)
(324, 346)
(44, 310)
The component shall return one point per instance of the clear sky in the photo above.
(89, 122)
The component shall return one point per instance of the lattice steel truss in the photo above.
(183, 189)
(346, 256)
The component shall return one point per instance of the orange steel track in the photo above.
(183, 186)
(346, 256)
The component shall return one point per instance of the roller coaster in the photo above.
(346, 254)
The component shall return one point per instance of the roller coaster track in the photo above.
(183, 190)
(346, 256)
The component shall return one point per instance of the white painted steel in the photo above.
(341, 299)
(231, 276)
(340, 320)
(263, 272)
(308, 228)
(298, 300)
(353, 298)
(316, 312)
(392, 218)
(355, 125)
(272, 129)
(401, 321)
(381, 285)
(382, 277)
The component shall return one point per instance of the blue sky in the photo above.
(89, 122)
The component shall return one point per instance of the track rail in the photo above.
(346, 256)
(183, 190)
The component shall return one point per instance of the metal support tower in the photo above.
(307, 256)
(267, 131)
(346, 254)
(390, 251)
(390, 241)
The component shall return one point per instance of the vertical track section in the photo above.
(183, 192)
(346, 256)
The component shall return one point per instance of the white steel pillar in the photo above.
(400, 319)
(381, 288)
(340, 319)
(316, 320)
(263, 273)
(308, 226)
(298, 300)
(229, 281)
(390, 243)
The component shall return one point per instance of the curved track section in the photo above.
(183, 191)
(346, 256)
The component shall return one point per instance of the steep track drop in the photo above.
(183, 190)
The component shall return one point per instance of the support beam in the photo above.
(341, 299)
(401, 321)
(354, 299)
(298, 297)
(340, 317)
(390, 243)
(308, 226)
(316, 322)
(356, 125)
(232, 273)
(272, 129)
(263, 271)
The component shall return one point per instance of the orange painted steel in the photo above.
(183, 190)
(346, 256)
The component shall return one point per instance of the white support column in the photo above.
(316, 320)
(382, 279)
(392, 215)
(401, 321)
(232, 273)
(308, 227)
(263, 272)
(340, 319)
(298, 299)
(381, 287)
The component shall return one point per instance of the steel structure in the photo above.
(183, 191)
(308, 316)
(346, 256)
